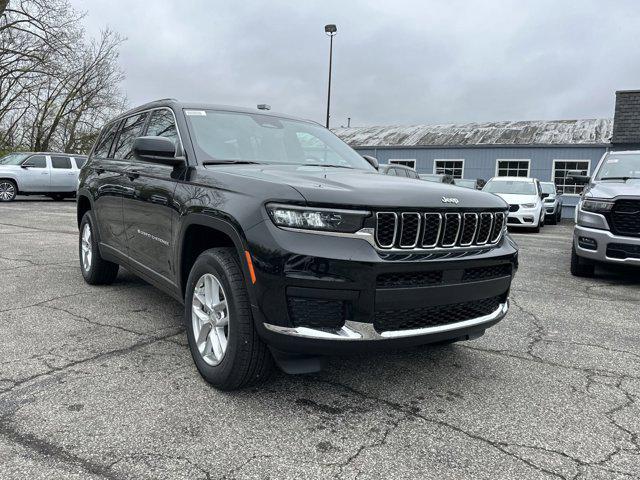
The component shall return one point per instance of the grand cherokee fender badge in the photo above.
(450, 200)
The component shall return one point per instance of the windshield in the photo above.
(619, 167)
(231, 136)
(549, 188)
(13, 158)
(510, 186)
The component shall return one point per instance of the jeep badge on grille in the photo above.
(450, 200)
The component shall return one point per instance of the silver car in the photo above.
(552, 202)
(51, 174)
(608, 215)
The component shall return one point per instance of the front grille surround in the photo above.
(396, 231)
(452, 223)
(431, 232)
(410, 229)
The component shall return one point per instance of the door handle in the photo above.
(133, 175)
(99, 171)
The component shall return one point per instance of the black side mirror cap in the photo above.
(544, 195)
(578, 177)
(373, 161)
(156, 150)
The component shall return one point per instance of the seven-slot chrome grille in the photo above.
(420, 230)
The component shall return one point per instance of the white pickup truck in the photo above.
(51, 174)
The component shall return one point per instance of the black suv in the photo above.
(283, 243)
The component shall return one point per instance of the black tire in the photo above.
(8, 190)
(247, 360)
(581, 267)
(559, 216)
(536, 229)
(552, 219)
(58, 197)
(100, 271)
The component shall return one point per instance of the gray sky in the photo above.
(395, 62)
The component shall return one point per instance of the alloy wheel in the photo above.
(210, 319)
(7, 191)
(86, 252)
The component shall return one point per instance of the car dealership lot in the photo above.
(97, 382)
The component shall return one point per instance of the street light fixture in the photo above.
(330, 30)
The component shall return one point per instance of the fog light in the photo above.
(587, 243)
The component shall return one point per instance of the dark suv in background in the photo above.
(283, 243)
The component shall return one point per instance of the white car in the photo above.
(524, 196)
(51, 174)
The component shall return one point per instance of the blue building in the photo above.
(546, 150)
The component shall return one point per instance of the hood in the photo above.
(340, 186)
(516, 199)
(10, 167)
(613, 188)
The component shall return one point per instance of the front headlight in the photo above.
(309, 218)
(596, 206)
(528, 205)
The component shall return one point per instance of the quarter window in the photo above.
(80, 161)
(131, 129)
(103, 145)
(406, 163)
(512, 168)
(61, 162)
(455, 168)
(36, 161)
(560, 170)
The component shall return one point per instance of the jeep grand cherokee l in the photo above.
(283, 243)
(608, 214)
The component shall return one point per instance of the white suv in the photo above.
(51, 174)
(524, 196)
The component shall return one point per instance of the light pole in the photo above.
(330, 30)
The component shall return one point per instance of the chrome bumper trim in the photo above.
(356, 331)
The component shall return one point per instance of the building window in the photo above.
(406, 163)
(455, 168)
(559, 175)
(512, 168)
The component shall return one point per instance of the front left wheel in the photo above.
(224, 343)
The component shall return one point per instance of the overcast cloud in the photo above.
(395, 62)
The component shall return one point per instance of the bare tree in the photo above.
(56, 88)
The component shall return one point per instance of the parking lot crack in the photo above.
(49, 450)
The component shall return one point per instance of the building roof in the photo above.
(553, 132)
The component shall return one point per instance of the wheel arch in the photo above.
(200, 232)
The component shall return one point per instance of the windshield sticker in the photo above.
(196, 113)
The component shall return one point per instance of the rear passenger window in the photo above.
(161, 124)
(104, 142)
(61, 162)
(37, 161)
(400, 172)
(80, 161)
(131, 129)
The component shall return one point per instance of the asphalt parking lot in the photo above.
(96, 382)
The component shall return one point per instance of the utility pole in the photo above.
(330, 30)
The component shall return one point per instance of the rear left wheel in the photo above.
(8, 190)
(95, 269)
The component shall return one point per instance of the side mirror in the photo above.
(373, 161)
(156, 150)
(544, 195)
(578, 177)
(25, 165)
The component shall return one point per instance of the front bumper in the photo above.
(609, 247)
(529, 217)
(293, 265)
